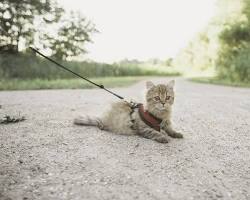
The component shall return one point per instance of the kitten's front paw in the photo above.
(161, 139)
(176, 135)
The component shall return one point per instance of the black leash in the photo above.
(59, 65)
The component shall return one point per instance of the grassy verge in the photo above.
(28, 66)
(36, 84)
(217, 81)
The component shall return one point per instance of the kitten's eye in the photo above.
(167, 97)
(157, 98)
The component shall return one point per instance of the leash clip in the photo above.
(133, 104)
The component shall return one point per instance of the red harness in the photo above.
(149, 119)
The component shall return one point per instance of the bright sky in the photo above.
(142, 29)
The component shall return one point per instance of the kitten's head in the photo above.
(160, 97)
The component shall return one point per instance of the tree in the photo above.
(71, 37)
(233, 60)
(42, 23)
(17, 21)
(200, 53)
(224, 45)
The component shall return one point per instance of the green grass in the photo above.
(36, 84)
(26, 66)
(153, 70)
(217, 81)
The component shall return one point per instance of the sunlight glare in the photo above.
(139, 29)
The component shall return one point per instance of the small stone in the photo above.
(219, 195)
(20, 161)
(102, 180)
(137, 145)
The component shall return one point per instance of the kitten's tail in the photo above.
(89, 121)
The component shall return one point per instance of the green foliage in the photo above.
(233, 35)
(223, 45)
(69, 41)
(30, 22)
(28, 66)
(233, 64)
(201, 52)
(233, 60)
(17, 21)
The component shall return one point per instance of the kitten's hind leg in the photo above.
(89, 121)
(150, 133)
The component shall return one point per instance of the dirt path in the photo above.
(47, 157)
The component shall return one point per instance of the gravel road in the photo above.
(47, 157)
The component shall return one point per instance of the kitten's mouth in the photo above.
(165, 107)
(162, 108)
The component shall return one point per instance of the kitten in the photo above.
(123, 119)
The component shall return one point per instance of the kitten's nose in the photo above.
(163, 104)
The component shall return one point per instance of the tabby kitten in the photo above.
(122, 119)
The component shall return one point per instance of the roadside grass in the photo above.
(37, 84)
(217, 81)
(28, 66)
(151, 70)
(24, 72)
(209, 76)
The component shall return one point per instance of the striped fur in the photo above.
(89, 121)
(159, 100)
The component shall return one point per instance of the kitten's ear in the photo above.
(171, 84)
(149, 85)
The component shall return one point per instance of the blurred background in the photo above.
(117, 42)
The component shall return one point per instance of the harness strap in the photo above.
(146, 117)
(149, 119)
